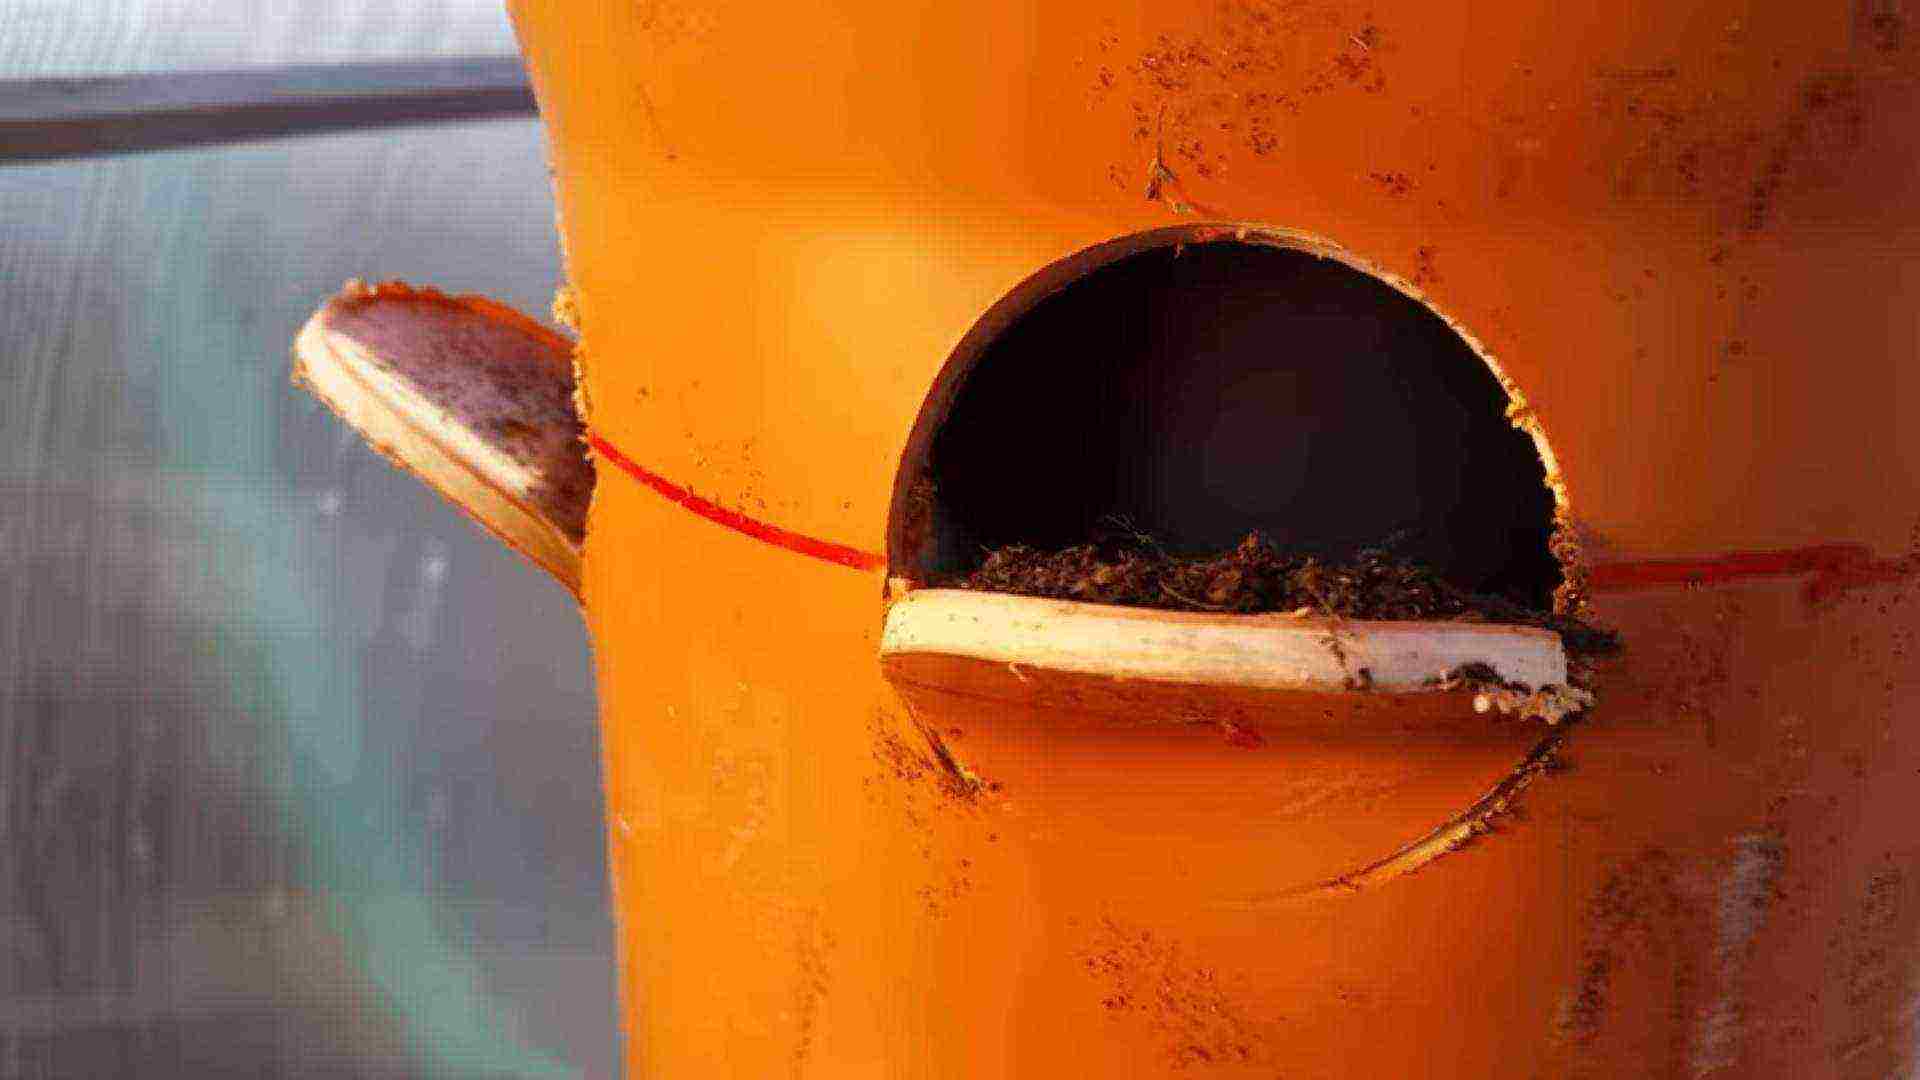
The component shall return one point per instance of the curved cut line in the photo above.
(1452, 835)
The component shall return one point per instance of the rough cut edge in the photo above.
(566, 312)
(1254, 652)
(449, 455)
(1571, 596)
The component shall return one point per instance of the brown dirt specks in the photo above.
(920, 766)
(1426, 270)
(1868, 970)
(935, 796)
(813, 948)
(1642, 923)
(1396, 185)
(1550, 703)
(1231, 80)
(1883, 24)
(1673, 136)
(1122, 566)
(1198, 1015)
(1669, 947)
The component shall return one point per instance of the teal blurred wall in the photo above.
(298, 770)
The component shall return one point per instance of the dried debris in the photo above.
(1122, 565)
(1551, 703)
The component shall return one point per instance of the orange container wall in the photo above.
(1687, 235)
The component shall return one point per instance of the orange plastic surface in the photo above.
(1688, 236)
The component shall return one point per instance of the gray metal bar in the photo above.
(44, 119)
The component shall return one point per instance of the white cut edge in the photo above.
(1259, 652)
(433, 444)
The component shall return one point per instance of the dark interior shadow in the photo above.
(1225, 387)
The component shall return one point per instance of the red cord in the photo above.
(737, 521)
(1834, 567)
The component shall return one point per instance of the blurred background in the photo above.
(298, 770)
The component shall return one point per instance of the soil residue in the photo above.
(1641, 969)
(1121, 565)
(1201, 1017)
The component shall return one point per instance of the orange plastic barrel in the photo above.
(1685, 238)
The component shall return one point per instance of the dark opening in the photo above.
(1224, 387)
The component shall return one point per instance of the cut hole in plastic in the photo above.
(1202, 389)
